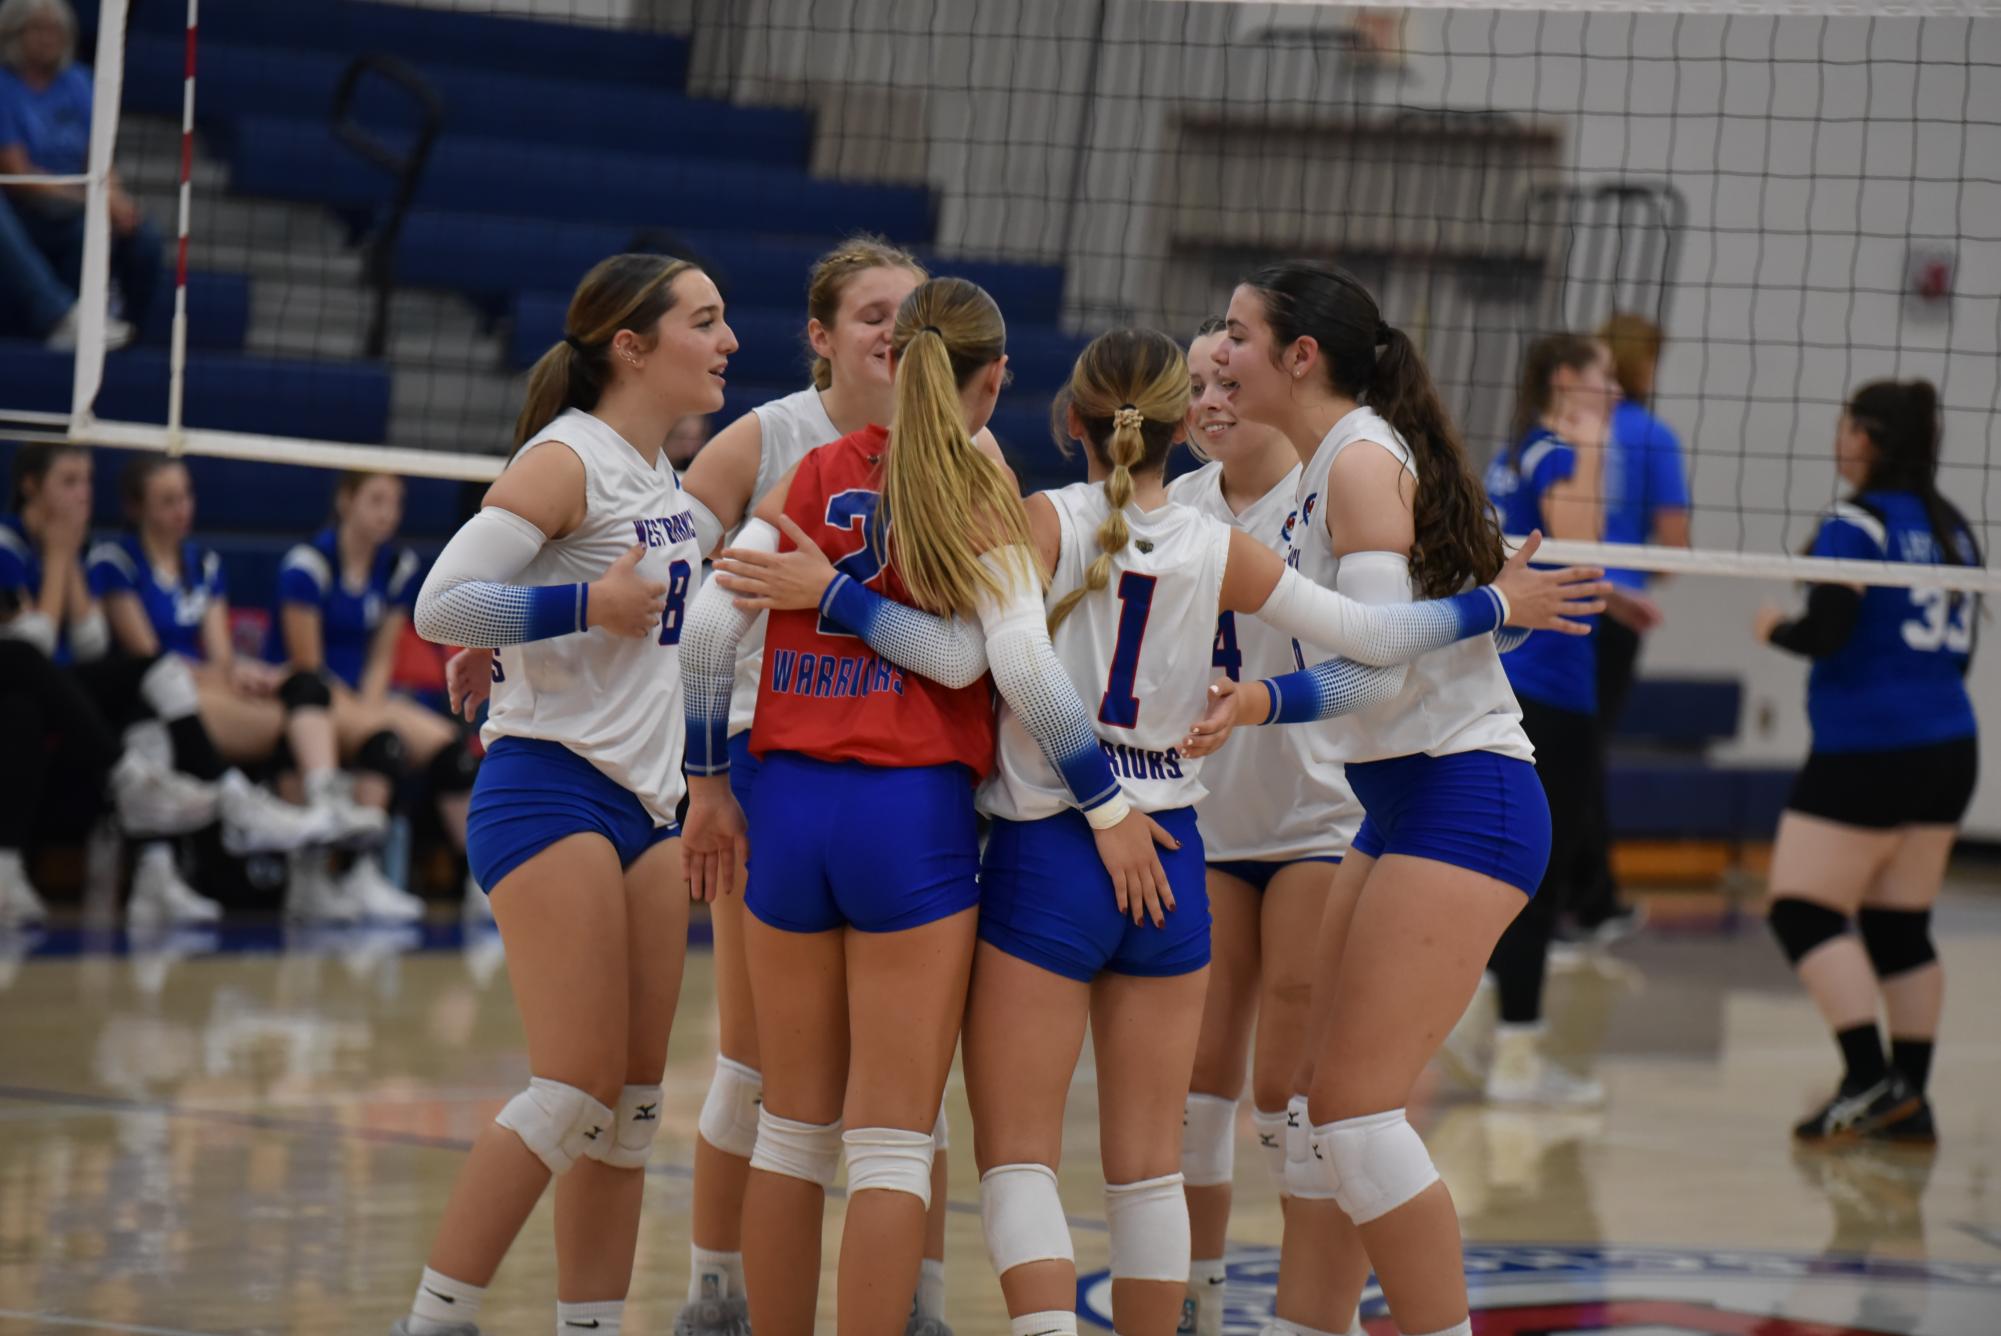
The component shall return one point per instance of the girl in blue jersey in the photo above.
(1552, 480)
(164, 592)
(1863, 845)
(344, 598)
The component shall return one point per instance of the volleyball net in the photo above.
(386, 206)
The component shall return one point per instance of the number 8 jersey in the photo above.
(613, 700)
(1900, 680)
(1138, 652)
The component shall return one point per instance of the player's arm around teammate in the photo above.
(579, 568)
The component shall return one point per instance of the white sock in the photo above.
(713, 1275)
(11, 864)
(156, 851)
(931, 1288)
(1279, 1326)
(443, 1303)
(323, 785)
(1463, 1327)
(1052, 1322)
(600, 1315)
(1206, 1276)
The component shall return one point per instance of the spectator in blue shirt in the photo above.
(344, 599)
(45, 104)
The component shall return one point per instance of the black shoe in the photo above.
(1913, 1129)
(1853, 1115)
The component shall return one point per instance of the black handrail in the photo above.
(406, 167)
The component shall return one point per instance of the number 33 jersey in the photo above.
(613, 700)
(1138, 652)
(1900, 681)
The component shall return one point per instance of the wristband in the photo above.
(1109, 812)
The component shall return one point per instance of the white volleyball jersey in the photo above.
(1271, 798)
(791, 428)
(1455, 699)
(1137, 651)
(613, 700)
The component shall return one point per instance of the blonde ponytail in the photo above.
(947, 503)
(1129, 390)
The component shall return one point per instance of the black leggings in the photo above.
(1567, 763)
(1596, 898)
(53, 717)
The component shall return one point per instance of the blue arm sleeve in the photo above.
(1332, 687)
(947, 651)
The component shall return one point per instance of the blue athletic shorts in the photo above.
(531, 793)
(1476, 810)
(744, 769)
(1045, 898)
(877, 848)
(1259, 871)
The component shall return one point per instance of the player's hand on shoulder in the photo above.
(1550, 600)
(623, 601)
(771, 581)
(714, 838)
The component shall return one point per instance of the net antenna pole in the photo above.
(177, 354)
(94, 290)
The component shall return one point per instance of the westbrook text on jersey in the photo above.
(666, 531)
(804, 673)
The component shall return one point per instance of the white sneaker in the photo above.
(377, 897)
(314, 895)
(153, 799)
(1465, 1051)
(354, 825)
(160, 896)
(1522, 1075)
(117, 333)
(257, 821)
(478, 906)
(20, 907)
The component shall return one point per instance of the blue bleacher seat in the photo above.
(433, 35)
(301, 160)
(1683, 714)
(344, 401)
(218, 313)
(240, 81)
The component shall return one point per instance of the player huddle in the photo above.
(987, 771)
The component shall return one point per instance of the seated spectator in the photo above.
(344, 598)
(45, 131)
(164, 593)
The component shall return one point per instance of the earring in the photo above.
(629, 358)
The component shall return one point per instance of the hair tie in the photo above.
(575, 345)
(932, 329)
(1128, 416)
(1383, 332)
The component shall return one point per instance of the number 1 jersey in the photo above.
(1138, 651)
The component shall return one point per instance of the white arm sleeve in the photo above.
(709, 640)
(1371, 618)
(949, 651)
(469, 598)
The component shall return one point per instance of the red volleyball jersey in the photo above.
(823, 692)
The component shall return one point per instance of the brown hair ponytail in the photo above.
(622, 292)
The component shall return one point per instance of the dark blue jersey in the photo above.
(1900, 680)
(1549, 667)
(21, 577)
(176, 608)
(310, 576)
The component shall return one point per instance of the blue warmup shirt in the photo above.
(176, 610)
(1551, 668)
(1900, 681)
(53, 125)
(310, 577)
(1643, 474)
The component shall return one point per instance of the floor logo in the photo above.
(1554, 1291)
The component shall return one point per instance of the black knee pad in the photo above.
(305, 690)
(382, 755)
(1802, 925)
(453, 769)
(1897, 940)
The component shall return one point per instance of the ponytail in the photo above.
(945, 503)
(1458, 536)
(622, 292)
(1901, 419)
(1129, 390)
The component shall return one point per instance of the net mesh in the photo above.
(391, 202)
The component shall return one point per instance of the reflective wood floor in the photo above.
(245, 1132)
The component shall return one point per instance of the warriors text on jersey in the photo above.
(613, 700)
(823, 692)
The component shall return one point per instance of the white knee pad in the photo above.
(1022, 1217)
(811, 1151)
(168, 688)
(941, 1131)
(1270, 1126)
(1149, 1229)
(636, 1121)
(557, 1122)
(729, 1111)
(1299, 1164)
(1208, 1140)
(1380, 1162)
(889, 1159)
(1315, 1178)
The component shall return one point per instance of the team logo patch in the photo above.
(1553, 1291)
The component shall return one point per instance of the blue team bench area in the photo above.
(430, 37)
